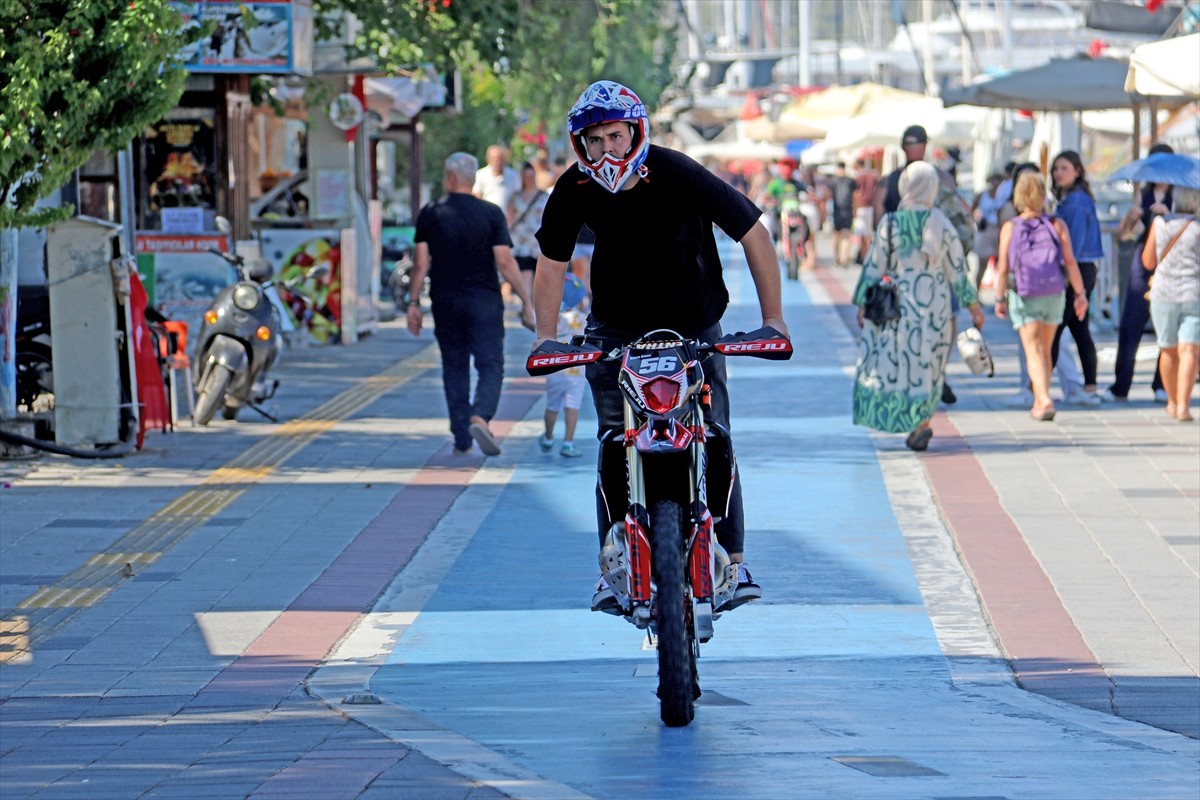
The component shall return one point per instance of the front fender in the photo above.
(226, 351)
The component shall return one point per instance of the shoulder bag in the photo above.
(881, 303)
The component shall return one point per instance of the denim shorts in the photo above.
(1176, 323)
(1048, 309)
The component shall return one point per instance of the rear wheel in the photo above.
(35, 373)
(677, 682)
(213, 384)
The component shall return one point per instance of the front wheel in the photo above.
(213, 384)
(677, 683)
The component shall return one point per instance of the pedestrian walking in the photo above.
(656, 265)
(914, 143)
(496, 181)
(1077, 209)
(1156, 200)
(987, 225)
(524, 214)
(1070, 379)
(902, 361)
(1034, 250)
(843, 189)
(564, 389)
(1172, 254)
(460, 241)
(864, 212)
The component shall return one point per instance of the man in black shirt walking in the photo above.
(460, 241)
(655, 265)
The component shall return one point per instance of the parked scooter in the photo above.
(239, 341)
(34, 362)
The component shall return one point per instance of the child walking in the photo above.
(564, 390)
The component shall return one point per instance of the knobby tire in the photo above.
(212, 392)
(676, 648)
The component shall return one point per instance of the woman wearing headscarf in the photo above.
(902, 362)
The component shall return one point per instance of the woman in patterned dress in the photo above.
(902, 364)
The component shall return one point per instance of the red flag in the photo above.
(1153, 5)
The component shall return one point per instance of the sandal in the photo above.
(919, 439)
(1045, 415)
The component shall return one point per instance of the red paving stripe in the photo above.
(1037, 634)
(304, 634)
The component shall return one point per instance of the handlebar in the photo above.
(553, 356)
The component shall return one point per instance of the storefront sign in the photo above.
(266, 36)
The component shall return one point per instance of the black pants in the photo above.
(610, 413)
(470, 325)
(1134, 316)
(1081, 331)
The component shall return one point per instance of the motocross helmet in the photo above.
(609, 101)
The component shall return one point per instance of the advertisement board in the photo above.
(265, 36)
(180, 275)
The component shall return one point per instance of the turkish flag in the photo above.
(1153, 5)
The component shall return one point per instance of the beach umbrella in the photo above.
(1175, 169)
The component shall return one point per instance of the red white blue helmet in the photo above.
(602, 102)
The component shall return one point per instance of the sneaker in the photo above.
(1107, 396)
(746, 590)
(1079, 397)
(1022, 399)
(604, 599)
(568, 450)
(546, 444)
(948, 395)
(1160, 395)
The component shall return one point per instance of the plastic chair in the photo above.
(178, 360)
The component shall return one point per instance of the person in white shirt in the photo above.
(496, 182)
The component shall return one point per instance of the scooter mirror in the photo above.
(223, 226)
(261, 270)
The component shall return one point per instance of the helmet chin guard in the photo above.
(601, 103)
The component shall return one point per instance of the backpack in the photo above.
(1035, 257)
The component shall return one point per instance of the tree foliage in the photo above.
(522, 62)
(78, 77)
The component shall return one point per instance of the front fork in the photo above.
(705, 558)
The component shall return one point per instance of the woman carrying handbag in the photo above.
(902, 354)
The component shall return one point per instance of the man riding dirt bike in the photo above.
(655, 265)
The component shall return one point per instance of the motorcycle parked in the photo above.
(239, 341)
(34, 357)
(662, 561)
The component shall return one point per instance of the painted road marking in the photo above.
(54, 606)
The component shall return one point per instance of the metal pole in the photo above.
(804, 23)
(927, 46)
(8, 320)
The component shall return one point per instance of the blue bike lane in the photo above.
(866, 671)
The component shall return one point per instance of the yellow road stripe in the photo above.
(65, 597)
(14, 639)
(146, 543)
(140, 559)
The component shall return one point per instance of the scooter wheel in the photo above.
(212, 391)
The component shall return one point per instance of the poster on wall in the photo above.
(179, 162)
(312, 259)
(181, 276)
(266, 36)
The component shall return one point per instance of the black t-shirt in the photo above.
(655, 264)
(843, 193)
(461, 231)
(891, 200)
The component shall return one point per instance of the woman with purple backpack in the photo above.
(1034, 251)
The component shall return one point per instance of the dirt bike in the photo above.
(662, 562)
